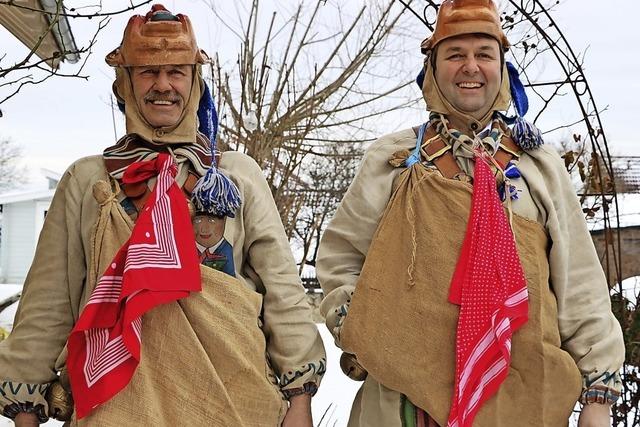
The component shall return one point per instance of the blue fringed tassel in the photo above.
(526, 134)
(214, 193)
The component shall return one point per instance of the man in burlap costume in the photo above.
(117, 310)
(459, 275)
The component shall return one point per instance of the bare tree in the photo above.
(331, 177)
(303, 95)
(41, 62)
(11, 174)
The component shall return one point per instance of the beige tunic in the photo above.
(54, 291)
(588, 329)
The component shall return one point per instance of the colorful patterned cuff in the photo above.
(599, 394)
(308, 388)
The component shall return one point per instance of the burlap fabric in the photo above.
(203, 358)
(402, 328)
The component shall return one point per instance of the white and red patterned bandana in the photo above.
(490, 287)
(157, 265)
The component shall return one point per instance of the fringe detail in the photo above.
(216, 194)
(526, 134)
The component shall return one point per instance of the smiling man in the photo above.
(161, 92)
(459, 275)
(163, 290)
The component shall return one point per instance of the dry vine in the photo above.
(297, 101)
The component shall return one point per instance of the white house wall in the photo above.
(18, 240)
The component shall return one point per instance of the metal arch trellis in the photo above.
(531, 12)
(548, 37)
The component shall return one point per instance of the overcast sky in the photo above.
(64, 119)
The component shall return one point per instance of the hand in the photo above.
(26, 419)
(299, 412)
(595, 415)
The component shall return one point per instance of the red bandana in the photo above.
(157, 265)
(490, 287)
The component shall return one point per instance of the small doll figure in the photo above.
(214, 250)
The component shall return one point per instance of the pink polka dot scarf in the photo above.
(157, 265)
(490, 288)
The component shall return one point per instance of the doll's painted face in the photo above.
(209, 229)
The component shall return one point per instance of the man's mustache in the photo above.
(162, 96)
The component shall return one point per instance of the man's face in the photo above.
(161, 92)
(468, 72)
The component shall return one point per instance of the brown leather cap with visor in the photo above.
(158, 38)
(459, 17)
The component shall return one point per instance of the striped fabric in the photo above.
(412, 416)
(157, 265)
(490, 287)
(131, 148)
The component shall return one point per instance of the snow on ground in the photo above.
(6, 316)
(336, 392)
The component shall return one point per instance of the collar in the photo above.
(210, 248)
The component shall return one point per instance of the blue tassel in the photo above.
(512, 171)
(214, 193)
(518, 94)
(420, 78)
(512, 190)
(208, 117)
(526, 134)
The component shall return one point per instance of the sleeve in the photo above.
(588, 328)
(44, 316)
(346, 240)
(294, 345)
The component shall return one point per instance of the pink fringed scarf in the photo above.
(157, 265)
(490, 288)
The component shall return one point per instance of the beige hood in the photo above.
(437, 103)
(186, 128)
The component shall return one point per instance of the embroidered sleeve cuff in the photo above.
(335, 319)
(308, 388)
(304, 379)
(599, 394)
(19, 397)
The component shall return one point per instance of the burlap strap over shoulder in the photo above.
(402, 328)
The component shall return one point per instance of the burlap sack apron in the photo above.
(203, 357)
(402, 328)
